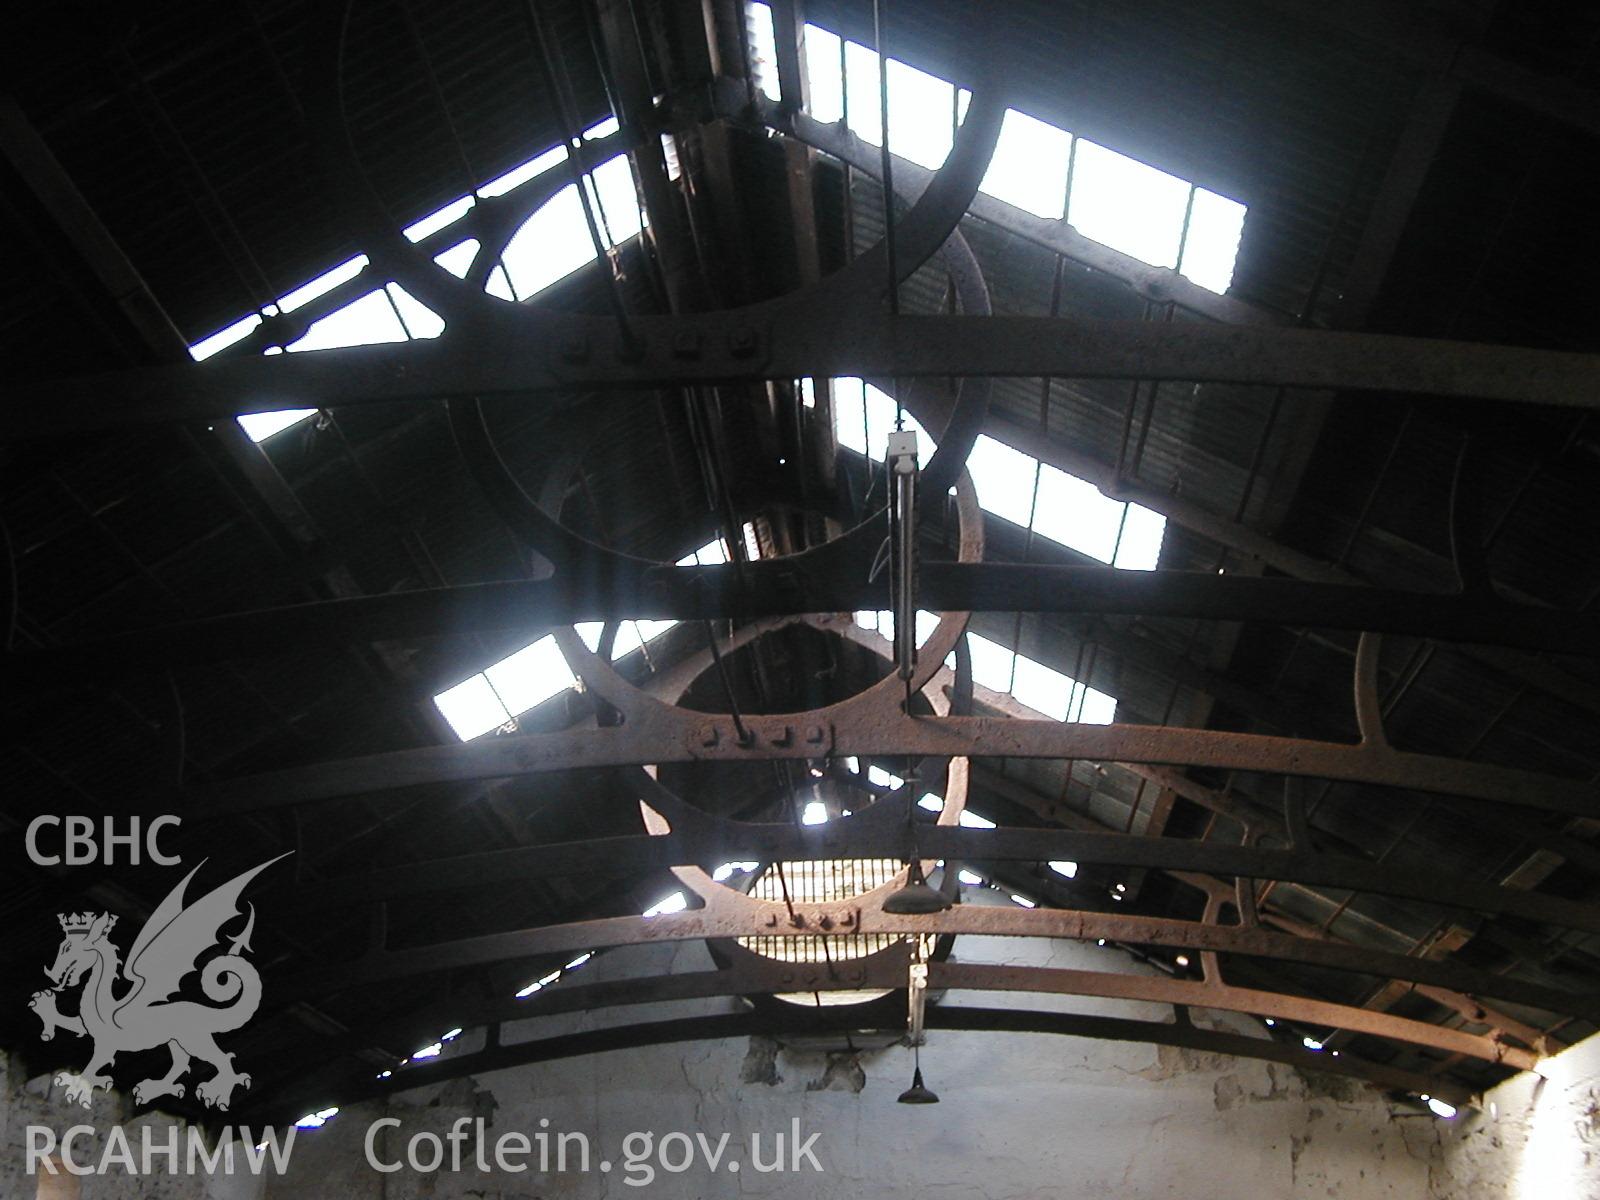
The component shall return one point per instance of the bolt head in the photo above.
(743, 341)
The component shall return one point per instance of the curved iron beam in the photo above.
(574, 352)
(537, 523)
(857, 288)
(887, 969)
(878, 831)
(951, 1017)
(1158, 284)
(1077, 925)
(781, 588)
(659, 734)
(807, 334)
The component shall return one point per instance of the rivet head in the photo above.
(686, 344)
(743, 341)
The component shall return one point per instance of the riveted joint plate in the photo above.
(799, 919)
(645, 352)
(719, 737)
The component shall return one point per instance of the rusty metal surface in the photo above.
(837, 327)
(887, 969)
(880, 832)
(796, 344)
(656, 733)
(725, 918)
(872, 973)
(834, 328)
(810, 584)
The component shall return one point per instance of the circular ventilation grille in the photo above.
(815, 882)
(819, 882)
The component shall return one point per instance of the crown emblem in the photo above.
(81, 922)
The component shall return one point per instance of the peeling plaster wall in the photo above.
(37, 1102)
(1022, 1115)
(1534, 1138)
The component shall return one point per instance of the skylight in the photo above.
(674, 903)
(322, 284)
(1037, 167)
(1001, 669)
(366, 321)
(549, 246)
(554, 241)
(260, 426)
(763, 50)
(545, 981)
(1127, 205)
(713, 553)
(1014, 486)
(877, 775)
(1004, 478)
(1215, 226)
(1029, 167)
(525, 679)
(1041, 688)
(824, 83)
(472, 707)
(530, 676)
(223, 338)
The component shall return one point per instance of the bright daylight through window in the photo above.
(497, 695)
(549, 246)
(1049, 172)
(1037, 167)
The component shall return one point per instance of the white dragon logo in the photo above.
(147, 1014)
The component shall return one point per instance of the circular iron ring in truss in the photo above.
(894, 809)
(662, 810)
(930, 227)
(883, 697)
(661, 807)
(631, 702)
(539, 525)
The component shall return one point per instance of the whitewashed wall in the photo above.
(1023, 1115)
(1534, 1139)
